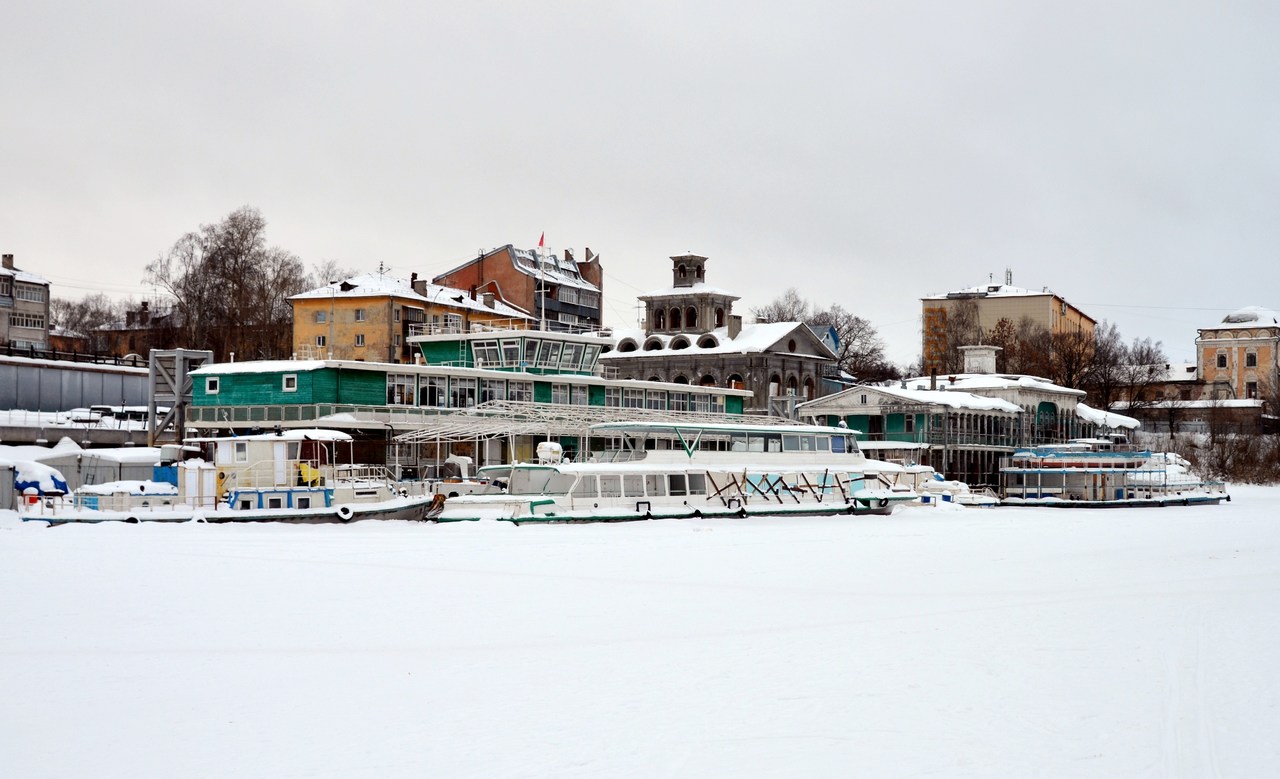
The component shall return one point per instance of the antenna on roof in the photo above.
(1008, 277)
(382, 268)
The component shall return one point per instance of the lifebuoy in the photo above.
(883, 502)
(344, 513)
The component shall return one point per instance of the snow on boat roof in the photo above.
(973, 381)
(722, 427)
(290, 434)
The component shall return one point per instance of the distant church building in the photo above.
(692, 336)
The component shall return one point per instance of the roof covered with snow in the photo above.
(970, 382)
(698, 288)
(1107, 419)
(751, 339)
(1250, 316)
(552, 267)
(378, 285)
(991, 291)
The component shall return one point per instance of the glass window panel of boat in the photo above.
(400, 389)
(633, 398)
(613, 396)
(462, 393)
(655, 485)
(773, 442)
(679, 401)
(791, 443)
(578, 395)
(717, 404)
(738, 442)
(530, 481)
(486, 353)
(755, 443)
(678, 484)
(521, 391)
(530, 355)
(586, 487)
(571, 357)
(824, 443)
(560, 393)
(511, 352)
(492, 389)
(611, 486)
(549, 354)
(656, 399)
(589, 356)
(808, 443)
(697, 484)
(241, 452)
(701, 402)
(435, 392)
(633, 485)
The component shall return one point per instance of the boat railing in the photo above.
(267, 474)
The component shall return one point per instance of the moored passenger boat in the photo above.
(643, 470)
(286, 476)
(1103, 473)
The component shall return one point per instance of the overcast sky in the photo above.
(1125, 155)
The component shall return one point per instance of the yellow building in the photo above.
(1240, 357)
(993, 302)
(370, 317)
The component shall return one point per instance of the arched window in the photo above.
(808, 389)
(655, 378)
(734, 381)
(680, 342)
(708, 341)
(719, 317)
(682, 270)
(653, 344)
(708, 381)
(680, 379)
(627, 345)
(675, 319)
(699, 271)
(660, 319)
(775, 385)
(691, 317)
(791, 385)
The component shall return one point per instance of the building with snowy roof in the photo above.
(963, 424)
(557, 289)
(991, 303)
(371, 316)
(1240, 356)
(25, 298)
(692, 336)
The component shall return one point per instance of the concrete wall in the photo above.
(50, 386)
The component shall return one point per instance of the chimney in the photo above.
(487, 297)
(144, 315)
(473, 291)
(735, 325)
(8, 261)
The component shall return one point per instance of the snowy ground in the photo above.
(1006, 642)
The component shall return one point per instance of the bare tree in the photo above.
(230, 289)
(326, 272)
(860, 351)
(83, 317)
(787, 307)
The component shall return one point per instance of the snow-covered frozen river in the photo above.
(1007, 642)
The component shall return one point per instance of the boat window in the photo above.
(585, 488)
(511, 353)
(678, 484)
(755, 443)
(241, 451)
(611, 486)
(302, 503)
(739, 443)
(773, 443)
(697, 484)
(824, 443)
(633, 485)
(245, 505)
(294, 446)
(275, 503)
(808, 443)
(538, 481)
(654, 485)
(791, 443)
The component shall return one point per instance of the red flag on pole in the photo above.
(541, 238)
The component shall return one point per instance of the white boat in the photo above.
(1103, 473)
(286, 476)
(644, 470)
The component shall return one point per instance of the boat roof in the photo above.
(290, 434)
(724, 427)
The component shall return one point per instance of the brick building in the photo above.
(24, 298)
(564, 292)
(1240, 356)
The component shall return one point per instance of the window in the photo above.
(585, 488)
(28, 292)
(633, 398)
(434, 393)
(211, 385)
(909, 423)
(33, 321)
(289, 382)
(359, 339)
(396, 313)
(1222, 361)
(613, 396)
(1251, 390)
(656, 399)
(453, 323)
(610, 486)
(486, 354)
(400, 389)
(560, 393)
(359, 314)
(679, 401)
(462, 393)
(521, 391)
(320, 340)
(511, 353)
(578, 395)
(240, 452)
(322, 317)
(492, 389)
(1251, 360)
(655, 485)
